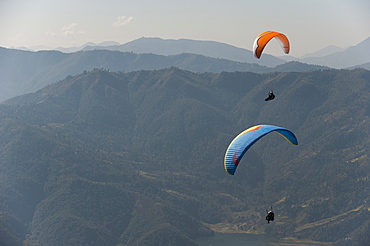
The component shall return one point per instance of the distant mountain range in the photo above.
(324, 52)
(64, 49)
(331, 56)
(105, 158)
(24, 71)
(354, 56)
(207, 48)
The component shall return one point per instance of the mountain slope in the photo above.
(351, 56)
(104, 158)
(206, 48)
(23, 71)
(331, 56)
(324, 52)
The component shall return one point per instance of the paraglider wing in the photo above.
(262, 39)
(246, 139)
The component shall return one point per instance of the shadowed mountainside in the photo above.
(24, 71)
(104, 158)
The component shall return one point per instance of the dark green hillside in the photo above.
(104, 158)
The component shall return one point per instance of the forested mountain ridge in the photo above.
(104, 158)
(170, 47)
(24, 71)
(330, 56)
(335, 57)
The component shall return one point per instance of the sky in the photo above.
(309, 24)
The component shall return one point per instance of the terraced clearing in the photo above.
(325, 221)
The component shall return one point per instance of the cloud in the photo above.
(51, 33)
(123, 20)
(69, 30)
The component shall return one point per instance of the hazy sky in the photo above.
(309, 24)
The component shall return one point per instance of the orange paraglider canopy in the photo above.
(262, 39)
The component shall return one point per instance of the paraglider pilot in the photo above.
(271, 96)
(270, 215)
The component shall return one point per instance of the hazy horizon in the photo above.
(310, 26)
